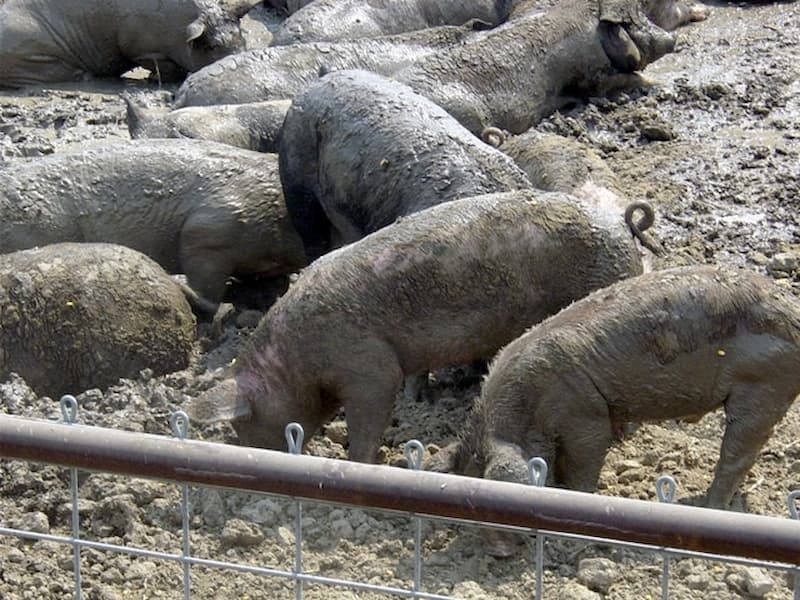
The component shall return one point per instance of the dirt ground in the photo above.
(713, 143)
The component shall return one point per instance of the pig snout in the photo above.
(632, 46)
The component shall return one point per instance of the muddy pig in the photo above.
(358, 151)
(49, 40)
(329, 20)
(518, 73)
(77, 316)
(559, 164)
(667, 14)
(670, 344)
(282, 72)
(441, 287)
(252, 126)
(207, 210)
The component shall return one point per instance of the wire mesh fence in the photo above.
(661, 529)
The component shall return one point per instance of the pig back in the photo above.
(673, 343)
(455, 282)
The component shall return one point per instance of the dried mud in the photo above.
(713, 143)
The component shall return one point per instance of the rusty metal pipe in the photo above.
(329, 480)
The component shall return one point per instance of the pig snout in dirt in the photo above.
(668, 344)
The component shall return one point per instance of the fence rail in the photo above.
(420, 492)
(672, 529)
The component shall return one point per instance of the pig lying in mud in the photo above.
(671, 14)
(514, 75)
(559, 164)
(670, 344)
(667, 14)
(207, 210)
(77, 316)
(45, 41)
(280, 73)
(329, 20)
(358, 151)
(441, 287)
(253, 126)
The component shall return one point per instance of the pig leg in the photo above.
(368, 401)
(751, 412)
(583, 441)
(207, 274)
(208, 251)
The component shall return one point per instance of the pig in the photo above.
(667, 14)
(358, 151)
(206, 210)
(43, 41)
(516, 74)
(670, 344)
(671, 14)
(331, 20)
(280, 73)
(252, 126)
(75, 316)
(560, 164)
(444, 286)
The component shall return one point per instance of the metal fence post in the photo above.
(179, 423)
(294, 440)
(69, 413)
(794, 512)
(665, 490)
(415, 452)
(537, 467)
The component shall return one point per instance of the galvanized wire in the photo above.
(294, 441)
(665, 489)
(415, 453)
(537, 467)
(69, 413)
(179, 423)
(794, 513)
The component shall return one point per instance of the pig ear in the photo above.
(220, 403)
(194, 30)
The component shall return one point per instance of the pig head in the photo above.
(630, 39)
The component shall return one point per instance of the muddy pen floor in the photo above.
(713, 144)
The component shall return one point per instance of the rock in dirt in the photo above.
(575, 591)
(240, 533)
(757, 583)
(36, 522)
(598, 574)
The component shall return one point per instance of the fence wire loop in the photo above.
(294, 437)
(537, 467)
(794, 511)
(179, 423)
(415, 453)
(665, 489)
(69, 408)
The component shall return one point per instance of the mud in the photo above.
(713, 144)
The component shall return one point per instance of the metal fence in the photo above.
(664, 528)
